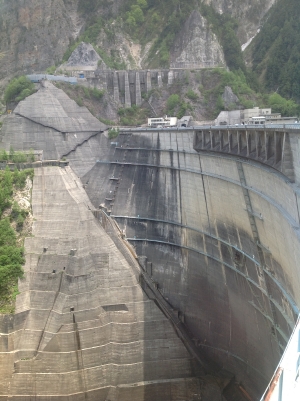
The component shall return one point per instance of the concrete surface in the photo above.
(217, 232)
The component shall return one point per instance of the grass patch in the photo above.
(106, 121)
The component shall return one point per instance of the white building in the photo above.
(252, 116)
(161, 122)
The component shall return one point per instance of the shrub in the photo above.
(172, 102)
(97, 93)
(79, 101)
(11, 254)
(284, 106)
(113, 133)
(191, 95)
(51, 70)
(18, 89)
(3, 155)
(19, 157)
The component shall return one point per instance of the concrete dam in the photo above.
(163, 264)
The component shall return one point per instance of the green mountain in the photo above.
(275, 51)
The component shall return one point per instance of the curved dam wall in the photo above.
(220, 236)
(214, 220)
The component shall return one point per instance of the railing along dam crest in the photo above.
(268, 145)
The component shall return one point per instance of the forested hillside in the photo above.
(155, 34)
(276, 49)
(157, 23)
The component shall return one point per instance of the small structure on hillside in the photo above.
(162, 122)
(185, 121)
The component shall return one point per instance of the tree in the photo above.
(137, 14)
(172, 102)
(284, 106)
(18, 89)
(142, 3)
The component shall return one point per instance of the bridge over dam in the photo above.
(211, 215)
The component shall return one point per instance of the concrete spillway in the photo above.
(216, 233)
(83, 326)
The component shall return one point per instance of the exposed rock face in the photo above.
(196, 45)
(35, 34)
(84, 55)
(249, 13)
(229, 97)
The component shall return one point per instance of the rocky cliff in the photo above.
(249, 13)
(35, 35)
(196, 45)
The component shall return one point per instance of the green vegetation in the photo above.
(162, 23)
(191, 95)
(92, 98)
(51, 70)
(16, 156)
(112, 61)
(178, 107)
(172, 102)
(276, 50)
(132, 115)
(225, 27)
(135, 17)
(89, 6)
(284, 106)
(213, 83)
(106, 121)
(18, 89)
(212, 86)
(165, 19)
(90, 35)
(113, 133)
(11, 253)
(90, 92)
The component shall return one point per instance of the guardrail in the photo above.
(295, 126)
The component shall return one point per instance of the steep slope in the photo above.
(50, 121)
(83, 326)
(275, 52)
(34, 36)
(249, 13)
